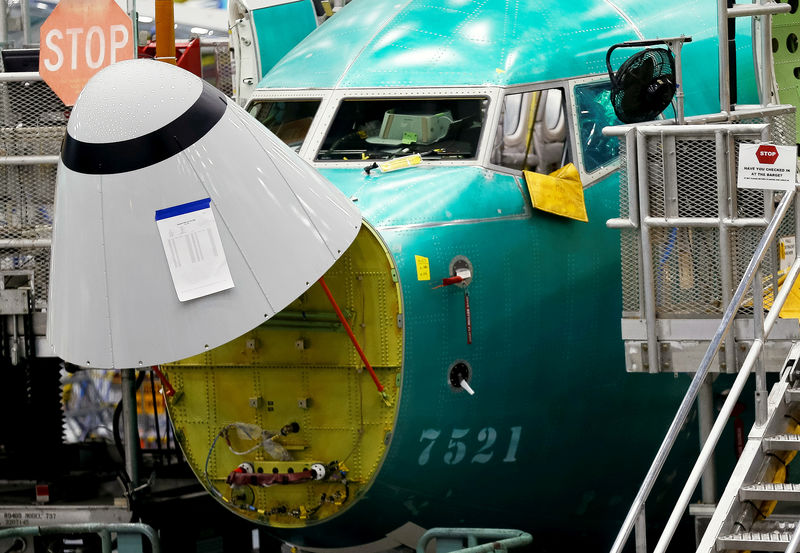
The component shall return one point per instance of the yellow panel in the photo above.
(300, 367)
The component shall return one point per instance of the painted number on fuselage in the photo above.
(459, 446)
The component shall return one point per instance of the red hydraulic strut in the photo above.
(168, 389)
(352, 336)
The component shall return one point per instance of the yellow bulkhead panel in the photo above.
(292, 396)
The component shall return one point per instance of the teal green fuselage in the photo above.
(557, 437)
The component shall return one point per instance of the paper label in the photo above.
(423, 268)
(767, 166)
(193, 248)
(786, 252)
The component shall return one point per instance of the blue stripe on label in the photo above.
(176, 210)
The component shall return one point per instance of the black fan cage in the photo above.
(644, 85)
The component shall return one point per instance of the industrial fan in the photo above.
(643, 86)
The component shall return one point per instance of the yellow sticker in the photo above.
(423, 268)
(400, 163)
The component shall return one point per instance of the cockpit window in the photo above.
(593, 103)
(436, 128)
(289, 120)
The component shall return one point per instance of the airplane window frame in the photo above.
(260, 101)
(337, 103)
(290, 95)
(569, 136)
(334, 97)
(588, 178)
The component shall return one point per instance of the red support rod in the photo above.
(350, 333)
(168, 389)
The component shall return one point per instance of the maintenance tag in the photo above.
(193, 248)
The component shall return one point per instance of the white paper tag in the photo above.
(767, 166)
(786, 252)
(193, 248)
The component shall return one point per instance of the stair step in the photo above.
(754, 541)
(792, 394)
(770, 492)
(782, 442)
(765, 535)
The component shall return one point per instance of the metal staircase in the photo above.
(758, 510)
(689, 234)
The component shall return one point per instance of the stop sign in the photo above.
(80, 38)
(767, 153)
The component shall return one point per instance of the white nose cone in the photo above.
(180, 222)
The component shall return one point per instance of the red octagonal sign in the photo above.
(80, 38)
(767, 154)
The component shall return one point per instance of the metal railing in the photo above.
(104, 530)
(762, 329)
(500, 539)
(679, 187)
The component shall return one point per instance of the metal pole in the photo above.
(705, 415)
(795, 541)
(134, 15)
(165, 31)
(640, 533)
(766, 58)
(758, 334)
(26, 23)
(648, 278)
(723, 208)
(4, 24)
(131, 425)
(676, 48)
(724, 65)
(706, 222)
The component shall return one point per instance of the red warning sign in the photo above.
(767, 153)
(79, 39)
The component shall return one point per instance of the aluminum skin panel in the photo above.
(426, 195)
(275, 40)
(416, 43)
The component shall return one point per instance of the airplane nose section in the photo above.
(180, 222)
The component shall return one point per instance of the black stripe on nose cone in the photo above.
(137, 153)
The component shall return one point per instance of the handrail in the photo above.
(103, 529)
(702, 371)
(795, 541)
(507, 539)
(725, 413)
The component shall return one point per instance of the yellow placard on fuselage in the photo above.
(423, 268)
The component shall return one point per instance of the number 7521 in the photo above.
(460, 445)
